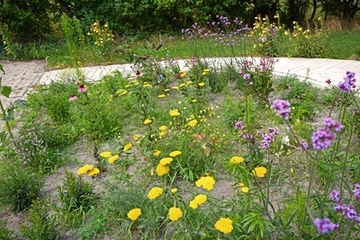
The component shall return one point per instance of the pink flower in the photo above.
(73, 97)
(82, 88)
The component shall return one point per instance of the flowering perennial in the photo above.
(282, 107)
(348, 83)
(175, 214)
(207, 183)
(224, 225)
(322, 138)
(155, 192)
(134, 214)
(325, 225)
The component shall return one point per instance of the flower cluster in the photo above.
(268, 137)
(207, 183)
(282, 107)
(224, 225)
(347, 210)
(197, 201)
(89, 170)
(322, 138)
(325, 225)
(348, 83)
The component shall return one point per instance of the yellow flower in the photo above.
(166, 161)
(85, 169)
(182, 85)
(245, 189)
(207, 183)
(174, 113)
(241, 184)
(236, 159)
(175, 214)
(192, 123)
(112, 159)
(163, 133)
(161, 96)
(123, 92)
(189, 82)
(89, 170)
(206, 71)
(105, 154)
(127, 147)
(193, 204)
(174, 190)
(163, 128)
(200, 199)
(201, 84)
(161, 170)
(93, 172)
(136, 137)
(166, 90)
(182, 74)
(224, 225)
(157, 153)
(155, 192)
(147, 121)
(175, 87)
(134, 214)
(194, 101)
(259, 172)
(175, 153)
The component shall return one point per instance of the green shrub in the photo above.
(76, 194)
(40, 224)
(19, 185)
(5, 233)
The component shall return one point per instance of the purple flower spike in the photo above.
(240, 125)
(282, 107)
(333, 124)
(322, 138)
(348, 83)
(325, 225)
(356, 192)
(335, 195)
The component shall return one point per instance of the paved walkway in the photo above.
(24, 76)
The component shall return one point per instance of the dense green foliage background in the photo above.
(30, 20)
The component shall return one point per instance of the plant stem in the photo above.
(6, 122)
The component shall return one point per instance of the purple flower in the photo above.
(325, 225)
(322, 138)
(233, 142)
(328, 81)
(348, 83)
(73, 97)
(269, 137)
(335, 195)
(82, 88)
(247, 76)
(239, 124)
(303, 145)
(349, 212)
(282, 107)
(333, 124)
(356, 192)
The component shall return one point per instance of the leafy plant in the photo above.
(5, 233)
(19, 185)
(40, 224)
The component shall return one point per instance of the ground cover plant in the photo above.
(210, 151)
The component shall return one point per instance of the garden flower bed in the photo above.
(195, 154)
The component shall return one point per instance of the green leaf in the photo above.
(19, 103)
(10, 115)
(2, 69)
(6, 90)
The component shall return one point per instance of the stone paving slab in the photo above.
(316, 71)
(22, 76)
